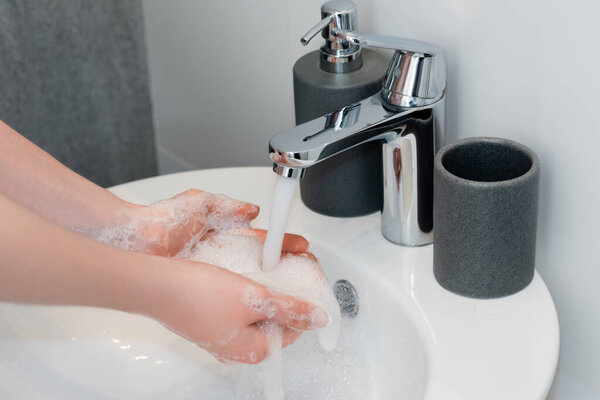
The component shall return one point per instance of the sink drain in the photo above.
(347, 298)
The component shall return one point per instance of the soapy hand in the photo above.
(165, 227)
(224, 312)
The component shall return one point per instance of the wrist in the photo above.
(153, 286)
(130, 282)
(116, 211)
(110, 221)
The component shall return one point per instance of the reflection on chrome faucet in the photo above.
(344, 118)
(407, 117)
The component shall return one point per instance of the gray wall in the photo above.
(221, 83)
(74, 80)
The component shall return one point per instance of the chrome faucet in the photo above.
(406, 116)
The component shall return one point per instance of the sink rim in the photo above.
(530, 311)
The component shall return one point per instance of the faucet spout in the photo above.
(312, 142)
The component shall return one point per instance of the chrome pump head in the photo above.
(337, 54)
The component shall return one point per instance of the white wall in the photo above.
(525, 70)
(221, 77)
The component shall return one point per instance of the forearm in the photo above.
(36, 180)
(43, 263)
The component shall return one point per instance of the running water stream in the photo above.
(285, 188)
(283, 194)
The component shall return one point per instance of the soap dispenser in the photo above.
(337, 75)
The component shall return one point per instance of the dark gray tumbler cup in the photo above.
(485, 216)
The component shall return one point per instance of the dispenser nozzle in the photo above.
(316, 29)
(337, 55)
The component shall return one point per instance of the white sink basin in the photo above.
(410, 340)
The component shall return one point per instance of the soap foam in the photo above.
(296, 275)
(309, 373)
(272, 366)
(238, 253)
(301, 277)
(257, 304)
(214, 212)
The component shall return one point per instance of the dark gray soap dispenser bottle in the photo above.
(337, 75)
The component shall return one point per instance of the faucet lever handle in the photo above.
(416, 75)
(388, 42)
